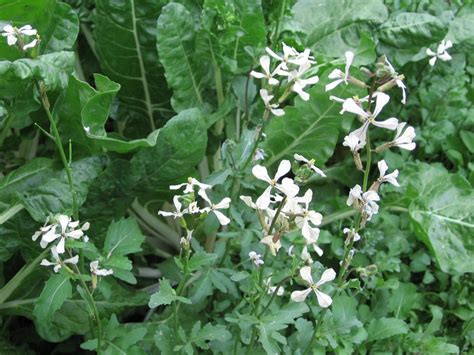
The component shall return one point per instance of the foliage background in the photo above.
(160, 92)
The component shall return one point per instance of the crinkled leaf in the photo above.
(175, 41)
(332, 28)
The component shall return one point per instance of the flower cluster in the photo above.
(17, 36)
(281, 209)
(292, 71)
(187, 205)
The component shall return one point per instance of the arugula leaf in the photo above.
(165, 296)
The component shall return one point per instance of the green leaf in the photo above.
(53, 69)
(83, 112)
(55, 292)
(123, 238)
(331, 28)
(54, 195)
(165, 296)
(125, 42)
(460, 34)
(175, 41)
(200, 259)
(411, 30)
(56, 22)
(180, 146)
(468, 139)
(35, 172)
(316, 120)
(385, 328)
(443, 216)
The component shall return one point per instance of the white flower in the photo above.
(381, 100)
(299, 83)
(324, 300)
(271, 289)
(310, 164)
(352, 232)
(338, 74)
(309, 219)
(366, 201)
(94, 267)
(441, 52)
(287, 186)
(63, 229)
(398, 80)
(192, 182)
(390, 178)
(11, 33)
(404, 140)
(306, 256)
(58, 263)
(265, 64)
(288, 54)
(177, 205)
(353, 142)
(249, 202)
(273, 108)
(273, 242)
(224, 204)
(256, 258)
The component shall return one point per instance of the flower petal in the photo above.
(300, 296)
(305, 273)
(324, 300)
(380, 101)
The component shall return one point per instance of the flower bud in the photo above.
(357, 161)
(357, 82)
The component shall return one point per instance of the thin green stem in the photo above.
(313, 336)
(57, 139)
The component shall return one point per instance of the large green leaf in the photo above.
(385, 328)
(180, 147)
(56, 290)
(175, 41)
(460, 33)
(54, 196)
(332, 27)
(309, 128)
(443, 215)
(125, 42)
(53, 69)
(56, 22)
(83, 112)
(411, 30)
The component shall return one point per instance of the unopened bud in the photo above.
(358, 161)
(367, 72)
(357, 82)
(382, 147)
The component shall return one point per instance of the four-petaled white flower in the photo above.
(256, 258)
(289, 55)
(398, 80)
(95, 270)
(296, 76)
(441, 52)
(366, 201)
(57, 262)
(308, 219)
(287, 186)
(369, 118)
(271, 289)
(352, 232)
(224, 204)
(404, 140)
(390, 178)
(12, 35)
(310, 164)
(265, 64)
(273, 242)
(338, 74)
(177, 205)
(324, 300)
(63, 229)
(189, 186)
(273, 108)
